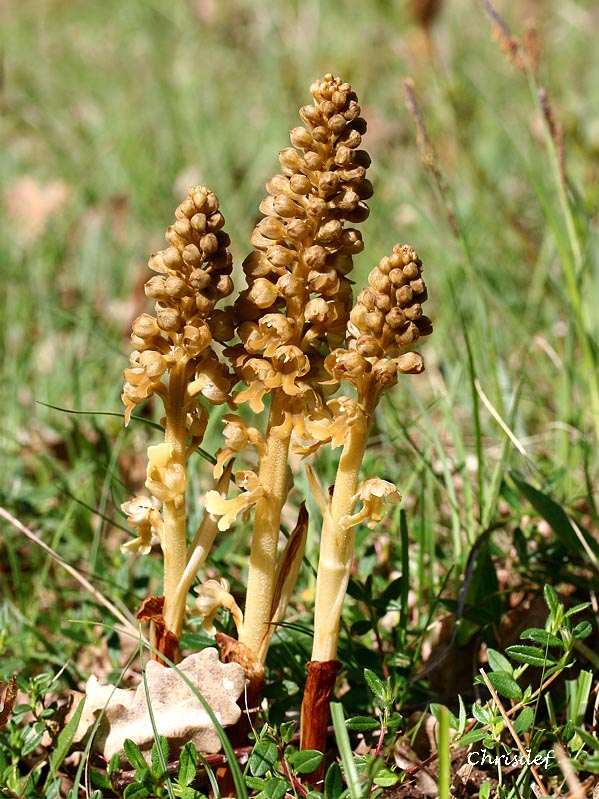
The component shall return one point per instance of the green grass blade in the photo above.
(444, 758)
(345, 752)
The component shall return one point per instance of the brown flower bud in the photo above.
(271, 228)
(384, 372)
(316, 205)
(410, 363)
(337, 123)
(301, 138)
(313, 161)
(297, 229)
(286, 207)
(299, 184)
(316, 310)
(176, 288)
(169, 319)
(222, 324)
(281, 256)
(155, 288)
(154, 364)
(279, 184)
(209, 244)
(145, 326)
(199, 223)
(262, 293)
(290, 161)
(290, 286)
(315, 257)
(330, 231)
(182, 227)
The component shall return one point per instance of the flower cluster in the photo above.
(193, 274)
(386, 319)
(303, 252)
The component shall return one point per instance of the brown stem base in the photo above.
(315, 709)
(232, 651)
(165, 642)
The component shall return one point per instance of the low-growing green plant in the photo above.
(276, 766)
(22, 727)
(500, 730)
(153, 780)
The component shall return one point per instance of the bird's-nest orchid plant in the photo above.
(298, 357)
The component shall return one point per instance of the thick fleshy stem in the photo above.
(337, 546)
(334, 566)
(263, 555)
(174, 514)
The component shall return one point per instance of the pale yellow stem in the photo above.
(174, 514)
(197, 556)
(198, 551)
(265, 538)
(337, 546)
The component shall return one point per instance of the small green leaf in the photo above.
(551, 599)
(484, 792)
(590, 740)
(558, 519)
(376, 685)
(362, 724)
(437, 710)
(393, 590)
(333, 781)
(305, 761)
(542, 637)
(568, 731)
(529, 655)
(286, 731)
(161, 744)
(255, 783)
(524, 720)
(275, 788)
(582, 630)
(386, 778)
(191, 793)
(136, 789)
(505, 685)
(114, 764)
(188, 764)
(498, 662)
(134, 755)
(263, 759)
(578, 609)
(481, 714)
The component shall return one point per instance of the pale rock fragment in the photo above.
(178, 713)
